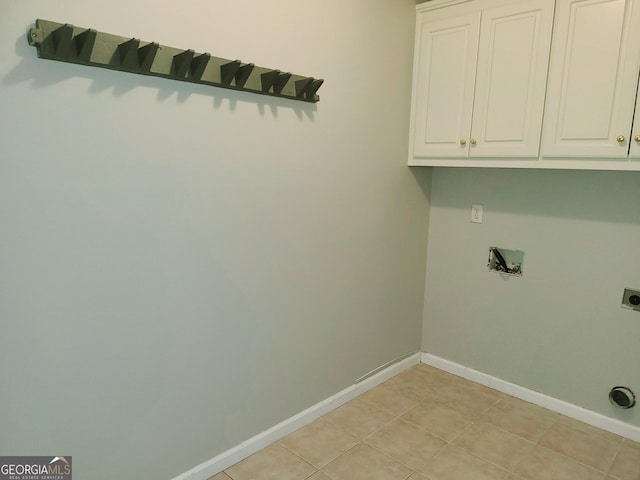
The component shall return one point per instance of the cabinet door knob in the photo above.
(463, 142)
(637, 138)
(473, 141)
(620, 138)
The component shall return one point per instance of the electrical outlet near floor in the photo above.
(631, 299)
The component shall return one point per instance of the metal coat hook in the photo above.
(66, 43)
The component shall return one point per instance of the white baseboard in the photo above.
(587, 416)
(239, 452)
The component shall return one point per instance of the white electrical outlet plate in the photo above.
(476, 213)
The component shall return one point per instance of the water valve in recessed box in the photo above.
(506, 261)
(631, 299)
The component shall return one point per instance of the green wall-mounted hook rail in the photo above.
(66, 43)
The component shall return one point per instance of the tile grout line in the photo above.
(308, 461)
(478, 418)
(362, 442)
(413, 470)
(613, 461)
(404, 389)
(394, 417)
(447, 442)
(343, 453)
(397, 417)
(536, 443)
(558, 421)
(573, 460)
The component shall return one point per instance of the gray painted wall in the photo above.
(559, 329)
(183, 267)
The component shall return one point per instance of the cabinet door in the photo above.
(592, 79)
(513, 59)
(446, 53)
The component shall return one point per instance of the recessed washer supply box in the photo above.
(631, 299)
(506, 261)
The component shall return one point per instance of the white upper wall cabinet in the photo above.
(479, 78)
(593, 76)
(527, 84)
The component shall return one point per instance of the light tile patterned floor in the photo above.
(426, 424)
